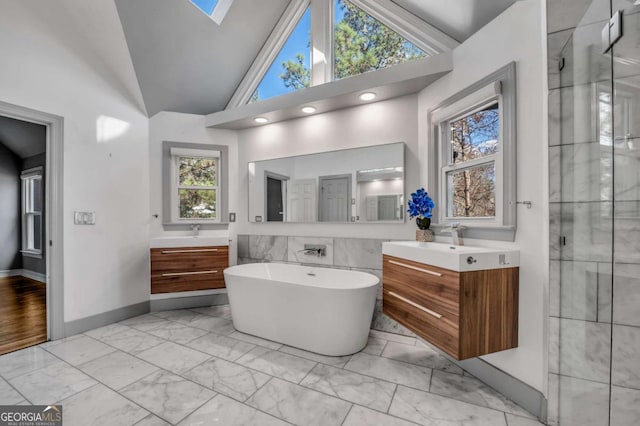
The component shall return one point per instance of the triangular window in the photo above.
(363, 44)
(291, 70)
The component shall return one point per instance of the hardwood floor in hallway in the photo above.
(23, 313)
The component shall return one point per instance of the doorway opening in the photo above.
(276, 196)
(23, 312)
(31, 294)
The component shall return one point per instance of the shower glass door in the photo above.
(594, 354)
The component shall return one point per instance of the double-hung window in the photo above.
(195, 194)
(32, 201)
(472, 151)
(473, 159)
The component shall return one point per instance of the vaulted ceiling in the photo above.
(187, 63)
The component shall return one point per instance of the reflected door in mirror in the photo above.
(335, 198)
(275, 197)
(301, 200)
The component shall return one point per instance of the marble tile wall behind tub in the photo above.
(357, 254)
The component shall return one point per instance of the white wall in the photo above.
(70, 58)
(378, 123)
(515, 35)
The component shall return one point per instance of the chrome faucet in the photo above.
(314, 250)
(196, 229)
(456, 233)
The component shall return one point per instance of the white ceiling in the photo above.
(23, 138)
(185, 62)
(457, 18)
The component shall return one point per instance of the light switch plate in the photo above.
(232, 217)
(84, 218)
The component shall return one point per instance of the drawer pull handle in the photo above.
(177, 274)
(188, 251)
(415, 305)
(415, 268)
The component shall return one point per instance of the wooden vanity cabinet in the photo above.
(188, 268)
(466, 314)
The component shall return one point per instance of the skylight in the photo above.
(215, 9)
(206, 6)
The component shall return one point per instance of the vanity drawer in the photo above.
(440, 331)
(426, 284)
(188, 259)
(187, 281)
(446, 309)
(178, 269)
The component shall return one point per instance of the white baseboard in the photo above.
(37, 276)
(24, 273)
(10, 273)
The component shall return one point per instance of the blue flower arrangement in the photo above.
(421, 207)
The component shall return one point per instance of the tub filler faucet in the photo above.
(314, 250)
(196, 229)
(456, 233)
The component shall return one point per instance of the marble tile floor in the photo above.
(190, 367)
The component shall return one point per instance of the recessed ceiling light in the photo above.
(367, 96)
(261, 120)
(308, 109)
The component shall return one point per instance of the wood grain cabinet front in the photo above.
(188, 268)
(466, 314)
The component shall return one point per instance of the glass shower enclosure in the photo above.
(594, 170)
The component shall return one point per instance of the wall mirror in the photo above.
(360, 185)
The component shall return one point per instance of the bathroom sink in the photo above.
(455, 258)
(188, 241)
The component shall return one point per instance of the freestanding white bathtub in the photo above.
(326, 311)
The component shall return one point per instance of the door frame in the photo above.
(349, 178)
(54, 207)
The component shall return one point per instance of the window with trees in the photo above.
(363, 43)
(195, 192)
(290, 71)
(32, 201)
(474, 155)
(360, 43)
(470, 174)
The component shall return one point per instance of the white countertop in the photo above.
(455, 258)
(188, 241)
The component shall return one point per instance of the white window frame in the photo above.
(498, 87)
(176, 154)
(423, 35)
(27, 201)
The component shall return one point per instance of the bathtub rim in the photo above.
(372, 280)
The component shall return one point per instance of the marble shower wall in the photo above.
(356, 254)
(594, 195)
